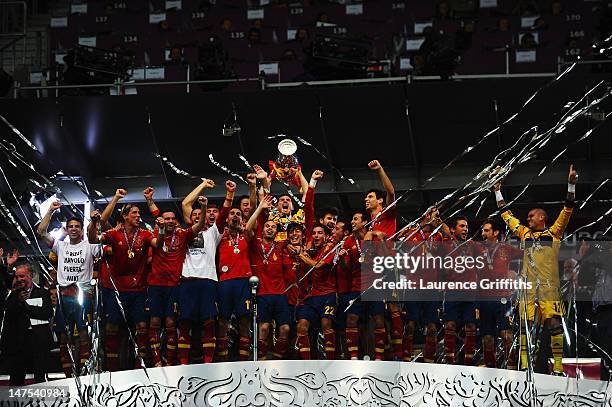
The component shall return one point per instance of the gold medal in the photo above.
(491, 267)
(236, 250)
(130, 254)
(361, 259)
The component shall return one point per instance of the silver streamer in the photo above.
(246, 162)
(173, 167)
(225, 169)
(593, 193)
(18, 133)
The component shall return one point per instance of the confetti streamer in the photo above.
(225, 169)
(246, 162)
(593, 193)
(173, 167)
(8, 215)
(18, 133)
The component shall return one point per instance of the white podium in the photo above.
(333, 383)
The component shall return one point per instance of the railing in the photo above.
(13, 28)
(118, 87)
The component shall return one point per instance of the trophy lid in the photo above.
(287, 147)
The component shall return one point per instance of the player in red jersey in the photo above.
(382, 220)
(267, 264)
(351, 309)
(294, 269)
(282, 214)
(495, 305)
(130, 247)
(460, 304)
(423, 308)
(320, 303)
(329, 218)
(234, 293)
(383, 214)
(163, 282)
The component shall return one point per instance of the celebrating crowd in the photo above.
(182, 293)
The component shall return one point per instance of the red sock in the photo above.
(208, 340)
(222, 351)
(262, 349)
(396, 334)
(449, 346)
(155, 346)
(184, 342)
(171, 345)
(379, 343)
(85, 351)
(280, 347)
(112, 348)
(407, 343)
(431, 344)
(352, 342)
(489, 354)
(303, 343)
(65, 359)
(329, 336)
(469, 347)
(245, 348)
(141, 342)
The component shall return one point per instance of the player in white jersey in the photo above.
(75, 262)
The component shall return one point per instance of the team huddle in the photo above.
(177, 286)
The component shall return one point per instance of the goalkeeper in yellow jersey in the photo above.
(541, 269)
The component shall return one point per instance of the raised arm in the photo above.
(562, 220)
(92, 228)
(148, 194)
(309, 208)
(374, 165)
(187, 204)
(158, 241)
(198, 227)
(263, 176)
(433, 217)
(108, 211)
(252, 181)
(498, 196)
(303, 185)
(513, 223)
(44, 223)
(571, 185)
(230, 190)
(265, 203)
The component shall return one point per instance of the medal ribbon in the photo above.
(359, 248)
(426, 241)
(130, 246)
(236, 242)
(263, 251)
(491, 256)
(166, 248)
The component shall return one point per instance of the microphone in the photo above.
(254, 283)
